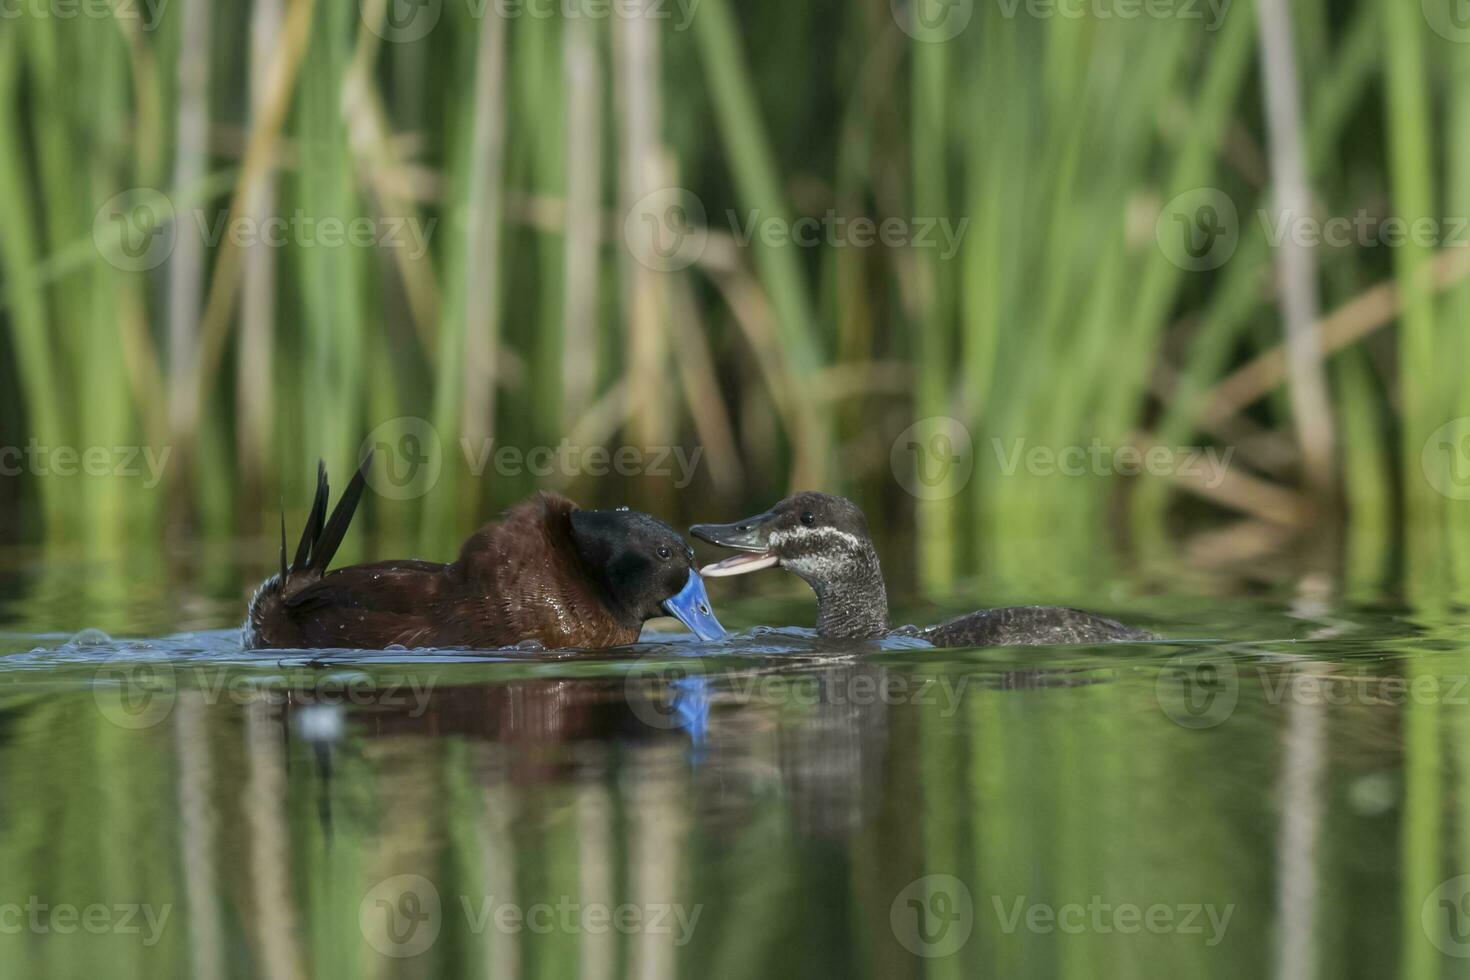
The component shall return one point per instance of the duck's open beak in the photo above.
(692, 608)
(752, 536)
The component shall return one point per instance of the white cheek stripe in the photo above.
(779, 537)
(836, 555)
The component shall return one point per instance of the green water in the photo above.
(1280, 797)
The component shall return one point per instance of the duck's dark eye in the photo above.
(665, 553)
(808, 518)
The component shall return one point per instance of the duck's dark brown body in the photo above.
(518, 579)
(1031, 626)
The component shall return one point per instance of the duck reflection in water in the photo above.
(812, 731)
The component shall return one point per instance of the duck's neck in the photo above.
(853, 605)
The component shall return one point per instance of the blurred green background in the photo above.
(503, 181)
(918, 252)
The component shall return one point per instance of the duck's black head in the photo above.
(824, 540)
(645, 568)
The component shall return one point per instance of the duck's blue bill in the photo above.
(692, 608)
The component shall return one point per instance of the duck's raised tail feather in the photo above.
(322, 536)
(314, 520)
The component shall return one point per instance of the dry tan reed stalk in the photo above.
(260, 150)
(483, 235)
(584, 119)
(1368, 311)
(1296, 264)
(254, 387)
(1237, 490)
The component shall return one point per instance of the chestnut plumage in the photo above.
(547, 572)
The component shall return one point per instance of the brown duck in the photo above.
(547, 572)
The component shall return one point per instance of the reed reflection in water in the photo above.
(1241, 810)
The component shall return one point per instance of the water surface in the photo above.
(1278, 792)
